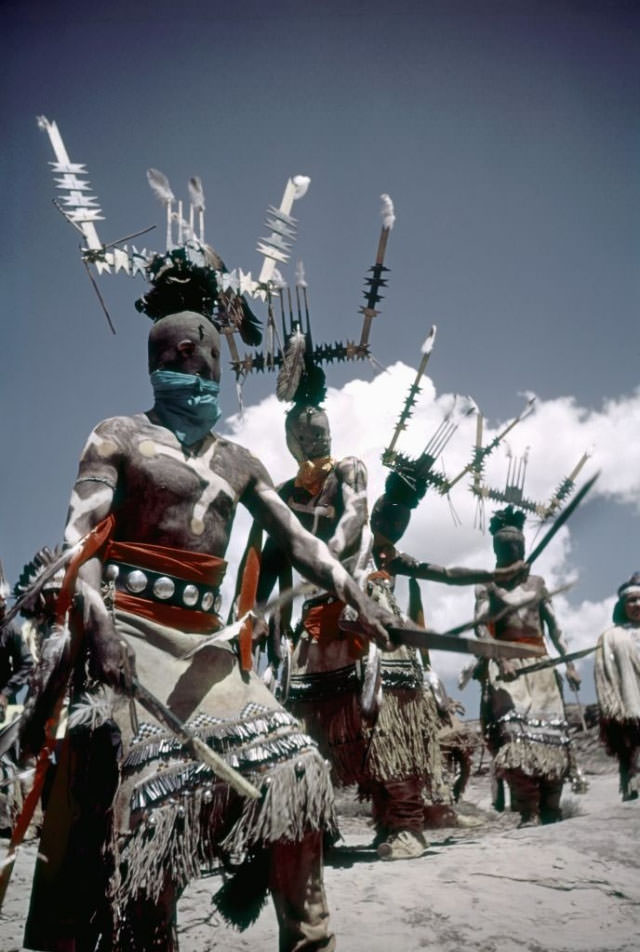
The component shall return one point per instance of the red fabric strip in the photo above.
(521, 635)
(94, 542)
(321, 621)
(246, 601)
(185, 619)
(199, 567)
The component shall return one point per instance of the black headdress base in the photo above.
(186, 279)
(509, 519)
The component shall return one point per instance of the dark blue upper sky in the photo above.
(506, 134)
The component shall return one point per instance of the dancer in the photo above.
(523, 717)
(132, 817)
(617, 675)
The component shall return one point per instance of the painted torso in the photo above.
(521, 623)
(162, 493)
(318, 513)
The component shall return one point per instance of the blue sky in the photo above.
(506, 134)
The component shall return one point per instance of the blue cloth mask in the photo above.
(186, 404)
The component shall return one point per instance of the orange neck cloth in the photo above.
(313, 473)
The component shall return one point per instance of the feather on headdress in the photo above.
(32, 571)
(292, 367)
(160, 186)
(196, 193)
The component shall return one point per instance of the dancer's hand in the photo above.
(508, 669)
(573, 678)
(111, 659)
(509, 573)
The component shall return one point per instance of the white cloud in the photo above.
(363, 415)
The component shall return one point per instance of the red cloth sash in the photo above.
(198, 567)
(527, 636)
(321, 621)
(246, 601)
(93, 543)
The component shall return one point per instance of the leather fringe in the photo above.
(404, 741)
(208, 825)
(533, 759)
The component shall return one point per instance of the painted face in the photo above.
(308, 434)
(389, 522)
(632, 607)
(508, 550)
(186, 343)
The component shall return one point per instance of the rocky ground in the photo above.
(490, 888)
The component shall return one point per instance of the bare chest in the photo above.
(318, 513)
(185, 496)
(519, 607)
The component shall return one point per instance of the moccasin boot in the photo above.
(403, 844)
(468, 821)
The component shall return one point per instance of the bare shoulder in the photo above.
(120, 428)
(241, 460)
(351, 462)
(351, 468)
(536, 580)
(112, 437)
(535, 583)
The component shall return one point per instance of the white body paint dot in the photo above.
(147, 448)
(106, 448)
(197, 526)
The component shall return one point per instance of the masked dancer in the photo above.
(132, 816)
(523, 716)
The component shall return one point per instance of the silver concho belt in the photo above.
(158, 587)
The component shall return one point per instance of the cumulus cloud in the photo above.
(556, 434)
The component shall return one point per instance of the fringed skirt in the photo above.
(525, 724)
(457, 744)
(172, 813)
(622, 740)
(403, 741)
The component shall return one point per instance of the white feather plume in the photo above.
(277, 280)
(300, 275)
(301, 183)
(269, 341)
(196, 193)
(467, 405)
(292, 367)
(387, 211)
(528, 395)
(94, 709)
(430, 340)
(160, 185)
